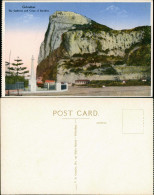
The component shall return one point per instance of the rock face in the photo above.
(59, 23)
(76, 47)
(90, 42)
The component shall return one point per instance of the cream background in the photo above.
(38, 149)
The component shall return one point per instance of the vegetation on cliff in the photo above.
(101, 61)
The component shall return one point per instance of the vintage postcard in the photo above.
(81, 146)
(77, 48)
(54, 145)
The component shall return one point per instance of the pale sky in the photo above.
(23, 44)
(24, 31)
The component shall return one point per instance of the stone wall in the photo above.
(71, 77)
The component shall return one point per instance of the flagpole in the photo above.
(9, 68)
(9, 57)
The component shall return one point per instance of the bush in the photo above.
(141, 56)
(120, 62)
(110, 71)
(14, 79)
(100, 83)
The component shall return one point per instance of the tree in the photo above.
(16, 69)
(16, 72)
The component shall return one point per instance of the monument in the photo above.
(32, 81)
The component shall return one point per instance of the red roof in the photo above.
(49, 81)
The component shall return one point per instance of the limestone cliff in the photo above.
(76, 47)
(59, 23)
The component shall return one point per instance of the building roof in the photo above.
(39, 82)
(49, 81)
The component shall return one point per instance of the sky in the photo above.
(25, 27)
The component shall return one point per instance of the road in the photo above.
(107, 91)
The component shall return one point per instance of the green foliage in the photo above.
(91, 27)
(132, 69)
(94, 57)
(16, 73)
(106, 51)
(100, 83)
(119, 62)
(99, 27)
(16, 69)
(99, 45)
(132, 47)
(105, 68)
(140, 57)
(147, 33)
(147, 36)
(76, 70)
(110, 71)
(75, 63)
(14, 79)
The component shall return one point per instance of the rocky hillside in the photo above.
(76, 47)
